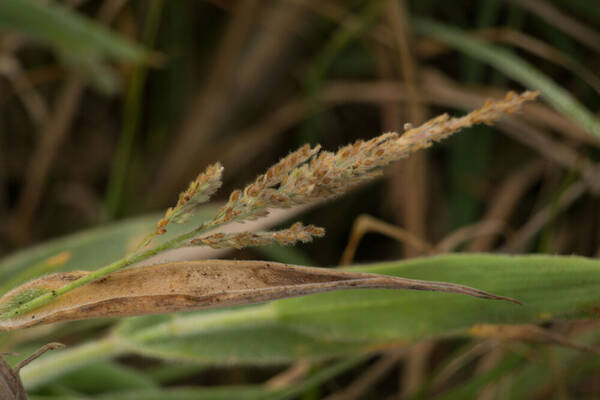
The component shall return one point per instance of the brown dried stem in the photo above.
(408, 178)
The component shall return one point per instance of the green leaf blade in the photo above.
(549, 287)
(515, 68)
(67, 31)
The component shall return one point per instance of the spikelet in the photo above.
(308, 175)
(295, 233)
(198, 192)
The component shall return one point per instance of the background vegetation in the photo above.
(108, 108)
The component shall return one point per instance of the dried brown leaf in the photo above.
(11, 387)
(192, 285)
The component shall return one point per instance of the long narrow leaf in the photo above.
(337, 323)
(192, 285)
(514, 67)
(66, 30)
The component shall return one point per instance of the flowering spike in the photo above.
(309, 175)
(295, 233)
(198, 192)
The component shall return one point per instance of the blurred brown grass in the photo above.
(244, 81)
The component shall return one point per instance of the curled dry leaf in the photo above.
(192, 285)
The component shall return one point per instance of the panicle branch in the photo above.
(296, 233)
(198, 192)
(309, 175)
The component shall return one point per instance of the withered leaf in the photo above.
(11, 387)
(192, 285)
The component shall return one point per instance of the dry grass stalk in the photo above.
(374, 373)
(519, 239)
(53, 134)
(367, 224)
(553, 15)
(528, 333)
(209, 108)
(505, 199)
(408, 191)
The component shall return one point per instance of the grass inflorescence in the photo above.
(306, 175)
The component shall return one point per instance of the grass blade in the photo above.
(193, 285)
(67, 31)
(338, 323)
(515, 68)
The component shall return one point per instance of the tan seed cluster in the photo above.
(198, 192)
(309, 174)
(295, 233)
(441, 127)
